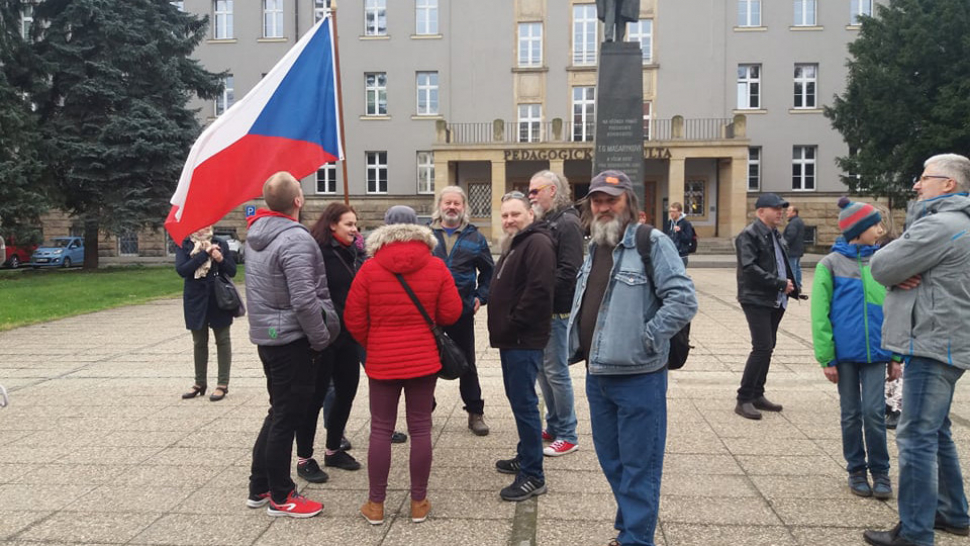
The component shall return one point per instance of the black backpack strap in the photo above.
(643, 247)
(414, 298)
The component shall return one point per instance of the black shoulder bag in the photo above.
(227, 297)
(453, 362)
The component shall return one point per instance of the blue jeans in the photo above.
(930, 480)
(863, 401)
(519, 370)
(796, 269)
(628, 414)
(557, 386)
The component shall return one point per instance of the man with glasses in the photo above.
(518, 326)
(465, 251)
(680, 231)
(549, 195)
(927, 310)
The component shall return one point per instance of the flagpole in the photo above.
(340, 101)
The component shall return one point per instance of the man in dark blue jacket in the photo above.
(465, 251)
(680, 231)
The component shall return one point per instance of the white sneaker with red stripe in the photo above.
(559, 447)
(295, 506)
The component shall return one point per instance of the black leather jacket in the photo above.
(759, 281)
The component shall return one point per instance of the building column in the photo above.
(444, 173)
(498, 190)
(557, 166)
(737, 198)
(675, 180)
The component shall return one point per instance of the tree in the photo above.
(113, 80)
(907, 96)
(22, 198)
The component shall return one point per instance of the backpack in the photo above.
(693, 241)
(680, 343)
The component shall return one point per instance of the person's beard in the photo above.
(539, 211)
(451, 217)
(505, 240)
(606, 233)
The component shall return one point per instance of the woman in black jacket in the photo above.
(198, 261)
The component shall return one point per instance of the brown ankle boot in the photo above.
(373, 512)
(419, 510)
(476, 422)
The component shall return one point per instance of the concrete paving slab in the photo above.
(718, 511)
(207, 530)
(749, 535)
(88, 527)
(14, 521)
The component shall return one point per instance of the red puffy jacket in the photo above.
(381, 316)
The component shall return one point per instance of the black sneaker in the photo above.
(508, 466)
(311, 472)
(341, 460)
(398, 437)
(523, 488)
(345, 444)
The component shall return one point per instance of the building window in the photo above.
(178, 5)
(803, 168)
(375, 17)
(327, 178)
(584, 108)
(128, 243)
(860, 7)
(427, 93)
(272, 18)
(806, 77)
(530, 120)
(479, 199)
(426, 17)
(530, 44)
(584, 34)
(26, 20)
(754, 168)
(227, 97)
(647, 120)
(749, 86)
(694, 197)
(320, 8)
(642, 31)
(376, 90)
(376, 172)
(425, 172)
(804, 13)
(223, 19)
(749, 13)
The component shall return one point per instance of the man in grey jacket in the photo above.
(291, 319)
(927, 271)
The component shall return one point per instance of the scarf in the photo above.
(202, 241)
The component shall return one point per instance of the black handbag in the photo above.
(453, 361)
(227, 297)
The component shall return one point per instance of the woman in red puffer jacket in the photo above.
(401, 350)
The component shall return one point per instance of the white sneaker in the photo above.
(559, 447)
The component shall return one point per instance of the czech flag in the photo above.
(289, 122)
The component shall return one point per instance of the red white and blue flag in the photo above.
(290, 121)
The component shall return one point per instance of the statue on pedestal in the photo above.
(615, 14)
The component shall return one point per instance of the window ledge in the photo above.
(421, 117)
(651, 65)
(375, 118)
(368, 37)
(751, 29)
(278, 40)
(581, 68)
(853, 27)
(529, 69)
(806, 28)
(426, 37)
(746, 111)
(803, 190)
(805, 111)
(221, 41)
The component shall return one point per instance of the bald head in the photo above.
(282, 193)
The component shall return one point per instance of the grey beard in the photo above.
(505, 242)
(606, 234)
(539, 211)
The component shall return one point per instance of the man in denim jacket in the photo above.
(621, 323)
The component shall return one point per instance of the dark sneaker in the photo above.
(522, 488)
(341, 460)
(476, 423)
(892, 420)
(398, 437)
(882, 488)
(859, 484)
(311, 472)
(747, 410)
(296, 506)
(257, 500)
(345, 444)
(941, 524)
(764, 404)
(509, 466)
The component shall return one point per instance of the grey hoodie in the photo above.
(931, 320)
(286, 286)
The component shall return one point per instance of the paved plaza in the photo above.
(96, 447)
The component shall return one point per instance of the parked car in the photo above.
(235, 245)
(59, 252)
(15, 255)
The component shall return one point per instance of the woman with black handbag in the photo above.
(200, 260)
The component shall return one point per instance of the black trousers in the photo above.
(290, 377)
(463, 333)
(763, 324)
(338, 362)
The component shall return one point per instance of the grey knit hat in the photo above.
(400, 214)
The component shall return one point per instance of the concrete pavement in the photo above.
(96, 447)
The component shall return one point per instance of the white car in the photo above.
(235, 245)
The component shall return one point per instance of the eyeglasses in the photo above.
(513, 195)
(535, 191)
(926, 177)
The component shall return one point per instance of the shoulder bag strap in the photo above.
(414, 298)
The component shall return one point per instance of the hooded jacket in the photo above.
(847, 307)
(286, 284)
(930, 320)
(380, 314)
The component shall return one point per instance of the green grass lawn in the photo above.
(29, 297)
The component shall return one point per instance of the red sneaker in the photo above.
(546, 437)
(296, 506)
(559, 447)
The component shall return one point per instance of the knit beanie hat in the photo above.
(856, 217)
(400, 214)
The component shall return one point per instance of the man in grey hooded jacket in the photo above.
(927, 310)
(291, 319)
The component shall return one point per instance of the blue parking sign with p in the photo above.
(250, 210)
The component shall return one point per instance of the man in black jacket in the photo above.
(765, 282)
(518, 326)
(795, 237)
(549, 194)
(680, 231)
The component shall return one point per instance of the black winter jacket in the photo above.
(567, 238)
(759, 280)
(198, 299)
(341, 263)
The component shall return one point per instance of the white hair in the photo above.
(955, 166)
(436, 214)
